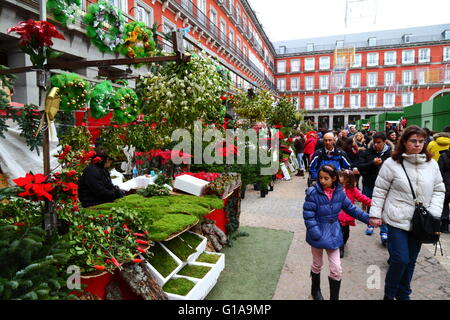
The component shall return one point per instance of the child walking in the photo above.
(323, 202)
(348, 182)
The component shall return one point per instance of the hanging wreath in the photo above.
(138, 41)
(73, 90)
(105, 26)
(127, 109)
(103, 99)
(65, 11)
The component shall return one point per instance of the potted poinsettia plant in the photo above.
(36, 40)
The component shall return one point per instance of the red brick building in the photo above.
(388, 70)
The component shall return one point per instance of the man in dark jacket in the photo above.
(299, 145)
(369, 165)
(95, 186)
(444, 166)
(329, 154)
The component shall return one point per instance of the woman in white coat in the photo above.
(392, 201)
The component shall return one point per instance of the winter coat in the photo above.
(441, 142)
(299, 145)
(310, 144)
(352, 194)
(368, 169)
(321, 217)
(95, 186)
(320, 158)
(392, 199)
(444, 167)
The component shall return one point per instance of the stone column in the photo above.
(316, 121)
(25, 86)
(330, 122)
(346, 119)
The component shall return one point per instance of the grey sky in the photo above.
(297, 19)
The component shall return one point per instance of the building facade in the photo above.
(341, 79)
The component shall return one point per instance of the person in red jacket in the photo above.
(308, 148)
(348, 181)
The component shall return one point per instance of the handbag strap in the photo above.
(410, 184)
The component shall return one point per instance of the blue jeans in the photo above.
(368, 192)
(300, 160)
(403, 251)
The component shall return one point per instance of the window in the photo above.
(389, 78)
(295, 65)
(446, 35)
(281, 66)
(407, 56)
(310, 47)
(389, 100)
(372, 79)
(213, 16)
(407, 38)
(372, 59)
(407, 99)
(281, 84)
(357, 62)
(372, 41)
(371, 100)
(121, 4)
(231, 37)
(309, 83)
(355, 100)
(223, 28)
(201, 4)
(166, 28)
(408, 77)
(446, 54)
(238, 43)
(324, 82)
(355, 80)
(338, 102)
(324, 63)
(310, 64)
(390, 58)
(295, 84)
(424, 55)
(282, 49)
(340, 44)
(144, 15)
(447, 75)
(339, 80)
(420, 74)
(323, 102)
(309, 103)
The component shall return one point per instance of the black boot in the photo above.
(341, 251)
(315, 286)
(335, 286)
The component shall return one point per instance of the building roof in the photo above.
(383, 37)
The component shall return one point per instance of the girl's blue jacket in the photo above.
(321, 216)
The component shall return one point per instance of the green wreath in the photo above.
(98, 17)
(73, 90)
(103, 99)
(127, 109)
(138, 41)
(65, 11)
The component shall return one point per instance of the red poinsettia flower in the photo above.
(96, 160)
(21, 182)
(278, 126)
(40, 31)
(279, 135)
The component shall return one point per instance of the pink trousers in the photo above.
(334, 260)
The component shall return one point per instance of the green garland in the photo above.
(65, 11)
(138, 41)
(103, 99)
(127, 109)
(73, 90)
(98, 17)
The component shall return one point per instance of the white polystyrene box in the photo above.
(200, 248)
(190, 184)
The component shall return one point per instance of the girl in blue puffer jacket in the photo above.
(323, 202)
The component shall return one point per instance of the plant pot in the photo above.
(271, 188)
(263, 193)
(256, 186)
(96, 283)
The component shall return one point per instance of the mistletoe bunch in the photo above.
(184, 93)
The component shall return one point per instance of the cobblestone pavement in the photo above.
(365, 262)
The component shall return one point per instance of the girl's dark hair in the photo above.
(331, 170)
(349, 179)
(400, 147)
(103, 154)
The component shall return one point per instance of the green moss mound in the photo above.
(194, 271)
(180, 286)
(208, 258)
(161, 260)
(170, 224)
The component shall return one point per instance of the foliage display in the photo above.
(161, 260)
(179, 286)
(102, 99)
(127, 108)
(65, 11)
(208, 258)
(154, 190)
(283, 113)
(253, 106)
(73, 90)
(194, 271)
(138, 41)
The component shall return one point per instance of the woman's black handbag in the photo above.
(424, 225)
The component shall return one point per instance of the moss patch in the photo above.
(191, 239)
(180, 248)
(208, 258)
(180, 286)
(194, 271)
(161, 260)
(170, 224)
